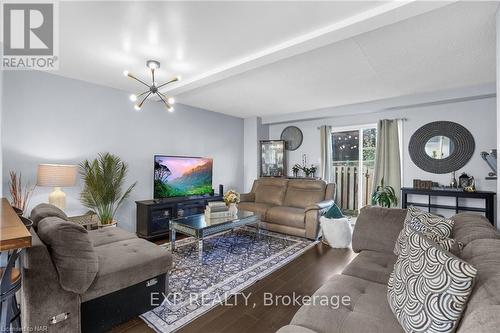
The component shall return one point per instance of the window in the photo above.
(353, 158)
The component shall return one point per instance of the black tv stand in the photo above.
(153, 216)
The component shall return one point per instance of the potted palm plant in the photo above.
(103, 183)
(384, 195)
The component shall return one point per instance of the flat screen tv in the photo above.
(178, 176)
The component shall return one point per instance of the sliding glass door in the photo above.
(353, 158)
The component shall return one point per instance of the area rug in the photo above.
(232, 261)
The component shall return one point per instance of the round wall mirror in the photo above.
(441, 147)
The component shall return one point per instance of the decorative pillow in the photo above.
(44, 210)
(334, 212)
(448, 244)
(71, 251)
(429, 287)
(337, 233)
(423, 222)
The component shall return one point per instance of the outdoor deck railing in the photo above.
(347, 189)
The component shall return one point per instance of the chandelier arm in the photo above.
(164, 101)
(142, 102)
(143, 93)
(162, 95)
(171, 81)
(133, 77)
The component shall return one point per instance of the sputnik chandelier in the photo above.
(153, 89)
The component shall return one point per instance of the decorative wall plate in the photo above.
(292, 136)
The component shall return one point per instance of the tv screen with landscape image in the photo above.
(177, 176)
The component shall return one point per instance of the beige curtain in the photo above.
(326, 153)
(387, 158)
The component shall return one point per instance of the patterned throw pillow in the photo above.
(429, 288)
(423, 222)
(448, 244)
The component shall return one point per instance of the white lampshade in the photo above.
(56, 175)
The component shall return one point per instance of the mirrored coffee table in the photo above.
(199, 227)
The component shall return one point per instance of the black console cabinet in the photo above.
(153, 216)
(488, 197)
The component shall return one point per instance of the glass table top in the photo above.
(200, 222)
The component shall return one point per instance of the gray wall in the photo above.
(51, 119)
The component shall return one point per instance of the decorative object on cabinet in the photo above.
(295, 170)
(464, 180)
(423, 184)
(491, 159)
(441, 147)
(292, 135)
(273, 160)
(453, 181)
(472, 185)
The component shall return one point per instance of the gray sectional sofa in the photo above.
(364, 280)
(77, 280)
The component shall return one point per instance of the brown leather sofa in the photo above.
(289, 206)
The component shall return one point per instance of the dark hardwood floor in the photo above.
(302, 276)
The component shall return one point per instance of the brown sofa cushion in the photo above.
(256, 207)
(371, 266)
(303, 193)
(71, 251)
(290, 216)
(469, 227)
(270, 191)
(377, 229)
(44, 210)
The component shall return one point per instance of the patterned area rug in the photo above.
(232, 261)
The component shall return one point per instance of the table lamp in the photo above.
(57, 175)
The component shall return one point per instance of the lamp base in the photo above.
(58, 198)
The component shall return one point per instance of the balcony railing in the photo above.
(347, 179)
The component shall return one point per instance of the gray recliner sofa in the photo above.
(77, 280)
(365, 279)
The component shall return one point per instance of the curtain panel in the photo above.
(387, 158)
(326, 153)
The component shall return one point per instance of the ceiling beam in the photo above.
(385, 14)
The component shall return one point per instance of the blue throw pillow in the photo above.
(334, 212)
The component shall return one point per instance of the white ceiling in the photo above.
(98, 40)
(265, 58)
